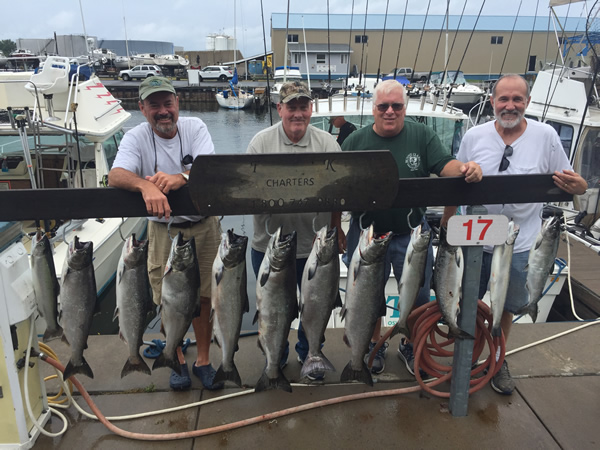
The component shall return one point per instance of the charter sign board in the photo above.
(472, 230)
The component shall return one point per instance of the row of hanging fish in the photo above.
(277, 303)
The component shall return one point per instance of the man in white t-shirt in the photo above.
(155, 158)
(513, 145)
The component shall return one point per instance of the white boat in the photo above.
(283, 74)
(462, 94)
(45, 153)
(3, 59)
(564, 101)
(234, 97)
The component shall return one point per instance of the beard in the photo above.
(163, 128)
(515, 115)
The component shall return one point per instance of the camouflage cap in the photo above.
(294, 90)
(152, 85)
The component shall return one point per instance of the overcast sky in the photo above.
(186, 23)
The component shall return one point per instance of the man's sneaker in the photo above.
(207, 375)
(313, 376)
(502, 382)
(379, 360)
(405, 353)
(180, 382)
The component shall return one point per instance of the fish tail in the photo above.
(50, 334)
(83, 369)
(265, 383)
(163, 361)
(138, 365)
(316, 363)
(228, 375)
(496, 331)
(363, 375)
(532, 310)
(400, 329)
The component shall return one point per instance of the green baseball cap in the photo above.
(294, 90)
(155, 84)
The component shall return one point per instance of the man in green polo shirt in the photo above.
(418, 153)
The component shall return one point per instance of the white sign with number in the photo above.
(477, 230)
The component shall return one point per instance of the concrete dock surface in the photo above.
(556, 403)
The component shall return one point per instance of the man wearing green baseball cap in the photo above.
(155, 158)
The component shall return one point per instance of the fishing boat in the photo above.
(59, 132)
(234, 97)
(283, 74)
(3, 59)
(455, 88)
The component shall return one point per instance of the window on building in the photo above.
(497, 40)
(292, 38)
(297, 58)
(358, 39)
(321, 58)
(344, 59)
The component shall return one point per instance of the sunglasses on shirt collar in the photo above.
(508, 151)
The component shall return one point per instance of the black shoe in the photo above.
(379, 360)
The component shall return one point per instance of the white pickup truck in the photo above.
(407, 73)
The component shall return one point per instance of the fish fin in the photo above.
(255, 317)
(50, 335)
(211, 315)
(264, 277)
(122, 337)
(138, 366)
(246, 307)
(356, 269)
(56, 287)
(346, 341)
(163, 361)
(116, 314)
(64, 339)
(216, 340)
(265, 383)
(343, 313)
(219, 274)
(259, 345)
(363, 375)
(312, 270)
(295, 311)
(409, 256)
(338, 300)
(83, 369)
(316, 363)
(231, 375)
(532, 310)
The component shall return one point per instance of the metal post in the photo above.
(463, 348)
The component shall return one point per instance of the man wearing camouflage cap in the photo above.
(293, 134)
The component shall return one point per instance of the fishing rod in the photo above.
(349, 44)
(454, 40)
(400, 43)
(531, 38)
(382, 41)
(437, 46)
(262, 14)
(414, 68)
(328, 49)
(363, 39)
(510, 37)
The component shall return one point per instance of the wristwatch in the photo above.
(185, 176)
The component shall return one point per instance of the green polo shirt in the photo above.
(418, 153)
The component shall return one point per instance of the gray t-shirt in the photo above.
(274, 140)
(141, 150)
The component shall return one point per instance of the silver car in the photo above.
(142, 71)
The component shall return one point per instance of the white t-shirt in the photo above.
(144, 153)
(537, 150)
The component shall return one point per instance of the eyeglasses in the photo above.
(383, 107)
(508, 151)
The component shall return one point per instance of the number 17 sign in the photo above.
(477, 230)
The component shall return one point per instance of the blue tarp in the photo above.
(402, 80)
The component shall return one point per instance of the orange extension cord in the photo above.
(423, 322)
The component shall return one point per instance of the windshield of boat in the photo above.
(460, 78)
(589, 158)
(449, 131)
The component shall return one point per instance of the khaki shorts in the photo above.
(207, 236)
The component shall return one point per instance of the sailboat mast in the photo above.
(234, 36)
